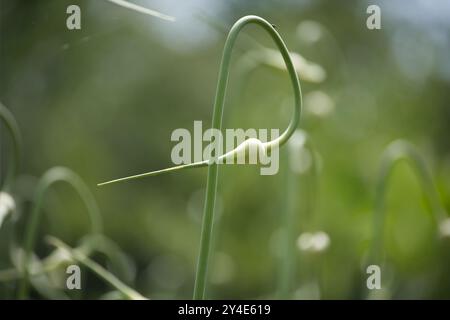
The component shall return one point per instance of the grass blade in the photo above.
(135, 7)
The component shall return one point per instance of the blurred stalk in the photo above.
(15, 157)
(295, 167)
(137, 8)
(287, 244)
(93, 243)
(48, 179)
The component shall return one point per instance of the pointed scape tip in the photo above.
(157, 172)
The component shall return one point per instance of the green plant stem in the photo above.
(395, 152)
(211, 184)
(49, 178)
(287, 246)
(107, 276)
(15, 158)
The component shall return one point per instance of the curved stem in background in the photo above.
(114, 254)
(108, 277)
(396, 151)
(13, 129)
(52, 176)
(97, 243)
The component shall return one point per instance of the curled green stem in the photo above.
(15, 158)
(395, 152)
(212, 164)
(211, 184)
(220, 101)
(48, 179)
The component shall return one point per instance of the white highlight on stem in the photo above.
(444, 228)
(7, 205)
(300, 158)
(251, 147)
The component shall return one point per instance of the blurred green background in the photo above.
(105, 99)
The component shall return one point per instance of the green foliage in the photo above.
(104, 100)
